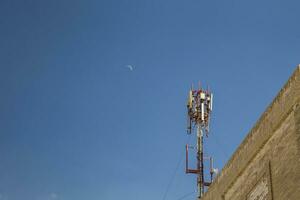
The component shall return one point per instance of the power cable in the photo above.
(186, 195)
(175, 172)
(219, 144)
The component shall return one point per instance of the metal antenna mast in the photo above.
(199, 107)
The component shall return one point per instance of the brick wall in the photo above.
(266, 166)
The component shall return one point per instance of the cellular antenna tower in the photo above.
(199, 108)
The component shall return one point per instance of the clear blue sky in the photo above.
(77, 124)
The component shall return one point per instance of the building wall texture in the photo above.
(266, 166)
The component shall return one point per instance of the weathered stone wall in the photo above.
(266, 166)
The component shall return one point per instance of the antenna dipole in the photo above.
(199, 107)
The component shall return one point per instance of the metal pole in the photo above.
(200, 179)
(202, 163)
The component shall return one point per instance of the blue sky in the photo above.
(77, 124)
